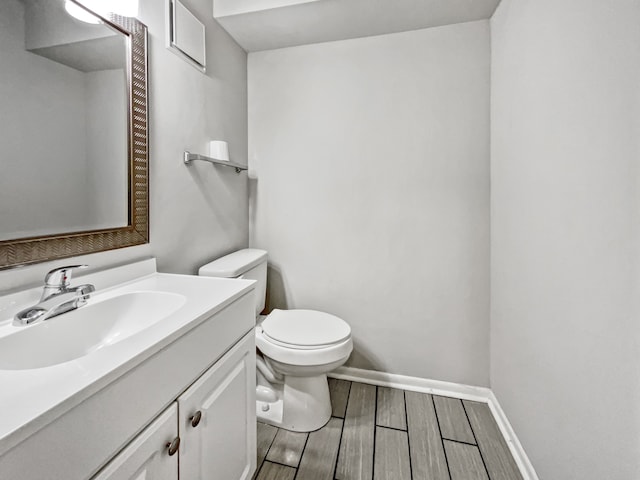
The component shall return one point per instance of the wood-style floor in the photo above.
(387, 434)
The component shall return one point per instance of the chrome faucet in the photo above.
(58, 297)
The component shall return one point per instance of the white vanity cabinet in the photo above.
(217, 419)
(214, 420)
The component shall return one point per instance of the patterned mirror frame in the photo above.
(25, 251)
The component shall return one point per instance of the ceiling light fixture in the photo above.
(126, 8)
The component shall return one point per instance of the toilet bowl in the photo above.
(295, 351)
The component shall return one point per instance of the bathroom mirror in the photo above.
(73, 142)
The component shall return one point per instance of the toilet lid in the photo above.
(306, 328)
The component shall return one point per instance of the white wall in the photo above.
(41, 177)
(565, 209)
(199, 212)
(106, 130)
(372, 192)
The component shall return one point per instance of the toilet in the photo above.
(295, 350)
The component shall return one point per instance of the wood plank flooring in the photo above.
(380, 433)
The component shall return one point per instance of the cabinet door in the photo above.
(147, 456)
(222, 444)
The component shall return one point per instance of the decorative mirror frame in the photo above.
(31, 250)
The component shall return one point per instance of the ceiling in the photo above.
(52, 33)
(268, 24)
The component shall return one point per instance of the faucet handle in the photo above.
(61, 277)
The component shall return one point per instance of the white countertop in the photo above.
(30, 399)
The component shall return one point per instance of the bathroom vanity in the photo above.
(154, 378)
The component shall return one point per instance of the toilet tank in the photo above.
(250, 264)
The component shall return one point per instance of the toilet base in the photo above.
(302, 404)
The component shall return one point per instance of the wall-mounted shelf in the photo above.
(190, 157)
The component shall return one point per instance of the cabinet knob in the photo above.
(195, 419)
(172, 447)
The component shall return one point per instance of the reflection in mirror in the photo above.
(64, 115)
(73, 142)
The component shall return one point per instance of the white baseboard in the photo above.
(446, 389)
(519, 455)
(413, 384)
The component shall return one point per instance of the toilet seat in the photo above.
(303, 357)
(304, 337)
(304, 329)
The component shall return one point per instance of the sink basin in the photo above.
(83, 331)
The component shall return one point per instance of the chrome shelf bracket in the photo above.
(190, 157)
